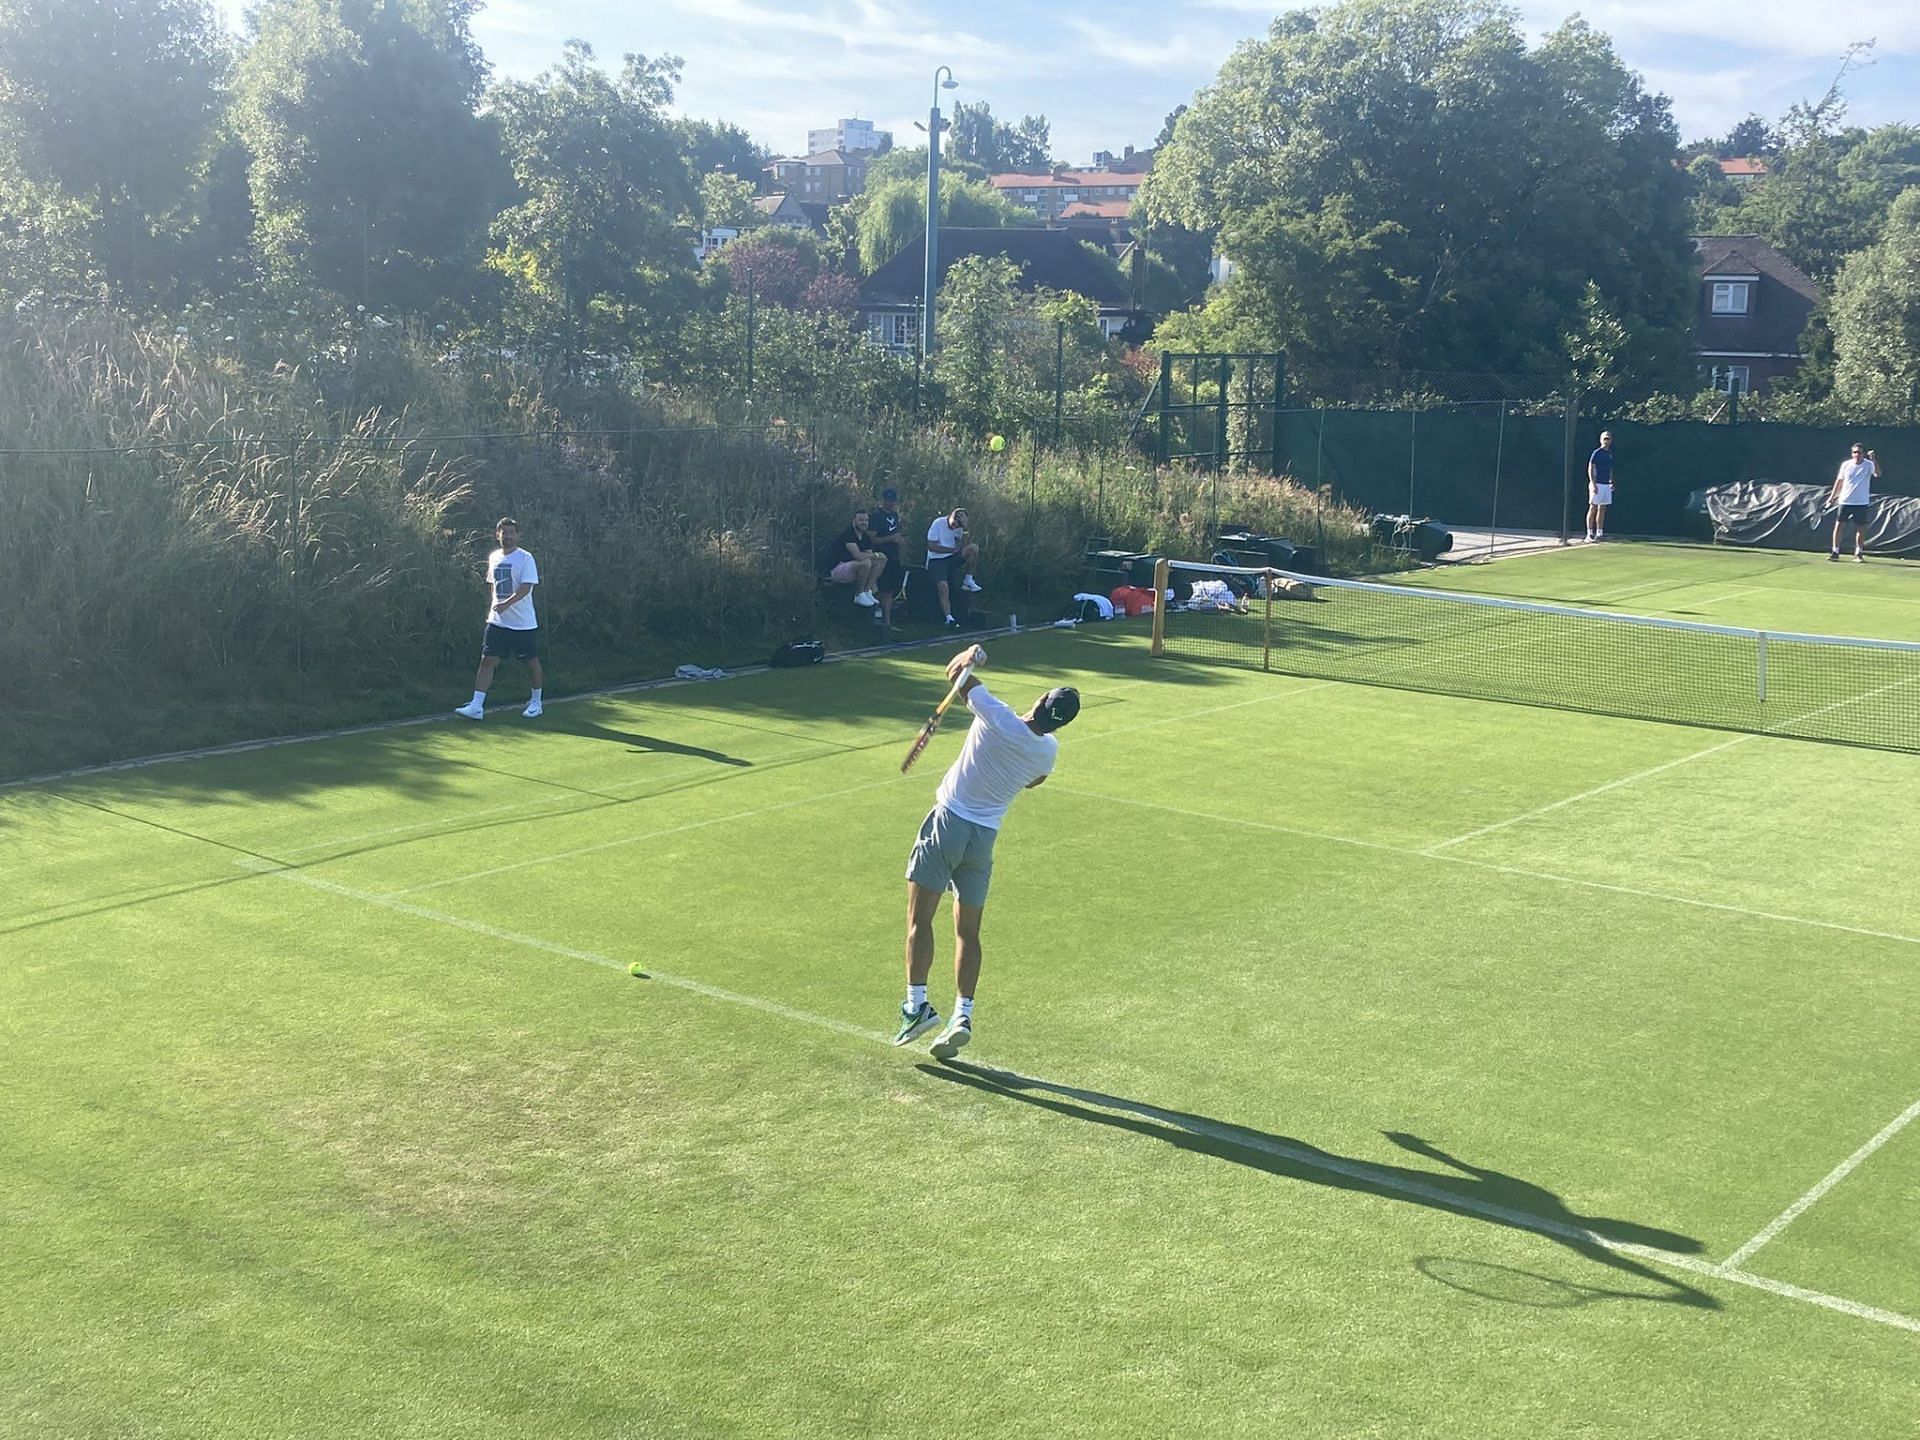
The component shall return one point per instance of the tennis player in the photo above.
(1004, 754)
(512, 627)
(1852, 496)
(1599, 487)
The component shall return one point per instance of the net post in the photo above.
(1160, 571)
(1266, 623)
(1761, 675)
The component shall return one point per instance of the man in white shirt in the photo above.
(950, 552)
(512, 629)
(1004, 754)
(1852, 495)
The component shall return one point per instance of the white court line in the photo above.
(1381, 1179)
(1839, 1172)
(1411, 853)
(1589, 794)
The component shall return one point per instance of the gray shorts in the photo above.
(953, 854)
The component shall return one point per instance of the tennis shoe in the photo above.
(952, 624)
(471, 711)
(534, 710)
(915, 1023)
(866, 598)
(1833, 555)
(954, 1038)
(1859, 557)
(971, 585)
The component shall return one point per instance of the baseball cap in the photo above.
(889, 493)
(1057, 707)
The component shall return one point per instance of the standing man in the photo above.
(1853, 493)
(948, 552)
(850, 561)
(1599, 487)
(883, 534)
(511, 626)
(1004, 754)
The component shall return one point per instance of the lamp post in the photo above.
(931, 281)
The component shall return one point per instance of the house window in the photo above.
(893, 329)
(1731, 379)
(1730, 297)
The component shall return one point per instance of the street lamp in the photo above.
(934, 126)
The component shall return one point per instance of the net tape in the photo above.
(1817, 687)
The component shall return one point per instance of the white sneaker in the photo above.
(471, 711)
(954, 1038)
(534, 710)
(866, 598)
(971, 585)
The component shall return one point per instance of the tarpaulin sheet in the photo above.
(1779, 516)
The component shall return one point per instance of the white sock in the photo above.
(535, 697)
(479, 700)
(965, 1009)
(916, 997)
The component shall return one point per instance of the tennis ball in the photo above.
(998, 442)
(635, 971)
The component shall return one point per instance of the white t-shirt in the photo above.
(506, 574)
(941, 533)
(1856, 481)
(1001, 758)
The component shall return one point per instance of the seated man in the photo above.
(850, 561)
(884, 535)
(948, 554)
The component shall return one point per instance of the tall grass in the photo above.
(209, 541)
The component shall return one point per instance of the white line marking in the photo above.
(1488, 865)
(591, 957)
(1589, 794)
(1839, 1172)
(1384, 1180)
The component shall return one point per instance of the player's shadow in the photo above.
(641, 744)
(1463, 1188)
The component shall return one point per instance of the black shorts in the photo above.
(944, 567)
(504, 644)
(1857, 514)
(893, 577)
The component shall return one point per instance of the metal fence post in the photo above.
(1166, 396)
(1566, 459)
(1413, 446)
(1059, 376)
(1220, 442)
(1499, 453)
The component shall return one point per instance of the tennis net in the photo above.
(1812, 687)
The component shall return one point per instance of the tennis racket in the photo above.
(933, 720)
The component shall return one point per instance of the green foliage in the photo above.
(718, 146)
(887, 217)
(593, 246)
(1876, 321)
(1404, 182)
(372, 177)
(727, 200)
(998, 147)
(912, 165)
(106, 112)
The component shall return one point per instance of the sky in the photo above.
(1106, 72)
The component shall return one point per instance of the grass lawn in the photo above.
(1349, 1061)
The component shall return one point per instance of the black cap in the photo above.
(889, 494)
(1056, 708)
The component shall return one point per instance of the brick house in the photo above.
(1106, 191)
(828, 176)
(1754, 304)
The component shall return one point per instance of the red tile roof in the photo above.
(1743, 165)
(1068, 180)
(1098, 210)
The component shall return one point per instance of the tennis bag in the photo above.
(796, 653)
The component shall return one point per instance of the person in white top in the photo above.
(1852, 496)
(1004, 754)
(948, 551)
(512, 628)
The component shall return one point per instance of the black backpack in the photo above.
(796, 653)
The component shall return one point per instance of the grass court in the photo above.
(1349, 1061)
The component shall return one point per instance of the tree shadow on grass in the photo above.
(1463, 1188)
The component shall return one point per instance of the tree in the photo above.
(372, 177)
(717, 145)
(1876, 321)
(728, 200)
(912, 165)
(1004, 351)
(594, 243)
(1752, 136)
(1167, 127)
(996, 146)
(778, 264)
(111, 103)
(1405, 183)
(889, 217)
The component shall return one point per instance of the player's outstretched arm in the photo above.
(974, 655)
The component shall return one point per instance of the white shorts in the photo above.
(1599, 494)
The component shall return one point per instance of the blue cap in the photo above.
(889, 494)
